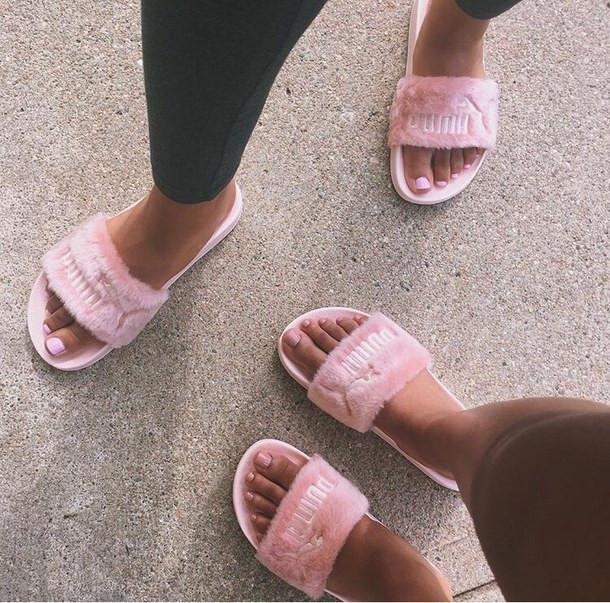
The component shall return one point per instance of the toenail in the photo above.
(249, 496)
(250, 477)
(263, 459)
(422, 183)
(46, 329)
(306, 323)
(56, 346)
(467, 165)
(454, 175)
(252, 517)
(323, 321)
(441, 183)
(292, 337)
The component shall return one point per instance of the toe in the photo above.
(348, 324)
(299, 347)
(333, 329)
(279, 469)
(456, 162)
(67, 339)
(470, 156)
(260, 523)
(418, 168)
(267, 484)
(319, 336)
(441, 167)
(259, 504)
(53, 302)
(58, 320)
(259, 484)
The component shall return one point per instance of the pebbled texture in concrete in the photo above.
(115, 482)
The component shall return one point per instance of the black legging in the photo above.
(209, 66)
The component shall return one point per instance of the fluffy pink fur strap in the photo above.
(86, 272)
(310, 527)
(365, 370)
(444, 112)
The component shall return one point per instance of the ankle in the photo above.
(398, 571)
(158, 236)
(163, 206)
(419, 404)
(447, 41)
(380, 566)
(424, 420)
(447, 22)
(440, 53)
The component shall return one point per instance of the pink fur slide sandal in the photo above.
(439, 113)
(363, 372)
(85, 271)
(312, 522)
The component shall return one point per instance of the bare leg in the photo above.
(456, 442)
(540, 501)
(155, 239)
(450, 44)
(533, 473)
(374, 563)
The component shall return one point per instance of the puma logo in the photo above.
(87, 293)
(359, 357)
(454, 123)
(93, 294)
(300, 529)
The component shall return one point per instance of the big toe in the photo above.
(278, 468)
(418, 168)
(67, 339)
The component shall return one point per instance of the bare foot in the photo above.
(156, 239)
(407, 416)
(373, 565)
(450, 43)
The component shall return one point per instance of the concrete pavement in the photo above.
(115, 481)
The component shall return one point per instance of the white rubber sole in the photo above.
(455, 185)
(95, 351)
(297, 374)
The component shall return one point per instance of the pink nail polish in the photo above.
(55, 346)
(467, 165)
(263, 459)
(250, 477)
(249, 496)
(441, 183)
(46, 329)
(454, 176)
(422, 183)
(292, 338)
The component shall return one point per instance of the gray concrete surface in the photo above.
(485, 592)
(115, 482)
